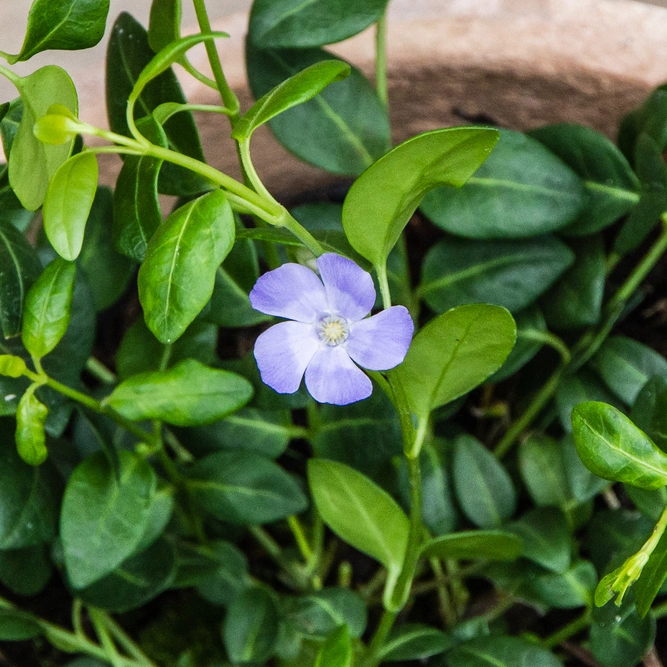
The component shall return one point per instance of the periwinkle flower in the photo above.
(329, 336)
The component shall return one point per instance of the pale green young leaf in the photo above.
(30, 436)
(336, 650)
(12, 366)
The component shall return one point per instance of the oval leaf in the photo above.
(454, 353)
(415, 642)
(382, 200)
(612, 447)
(501, 652)
(30, 435)
(164, 25)
(17, 625)
(336, 650)
(177, 277)
(486, 544)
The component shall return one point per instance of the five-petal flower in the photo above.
(329, 336)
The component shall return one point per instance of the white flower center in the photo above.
(333, 330)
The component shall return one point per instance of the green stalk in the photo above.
(571, 629)
(383, 280)
(381, 60)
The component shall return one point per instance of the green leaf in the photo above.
(360, 512)
(48, 308)
(575, 301)
(381, 201)
(623, 642)
(25, 571)
(649, 411)
(293, 23)
(522, 190)
(626, 366)
(30, 435)
(244, 488)
(414, 641)
(546, 537)
(19, 268)
(11, 366)
(570, 589)
(650, 118)
(107, 273)
(611, 446)
(653, 575)
(336, 650)
(483, 488)
(164, 25)
(501, 652)
(649, 503)
(511, 274)
(611, 186)
(17, 625)
(128, 53)
(471, 544)
(67, 25)
(250, 630)
(139, 579)
(103, 516)
(136, 204)
(453, 354)
(29, 497)
(583, 484)
(343, 129)
(641, 221)
(32, 163)
(649, 164)
(177, 277)
(188, 394)
(543, 471)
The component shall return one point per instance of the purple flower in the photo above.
(330, 333)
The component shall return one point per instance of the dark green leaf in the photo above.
(177, 277)
(159, 514)
(543, 471)
(511, 274)
(501, 652)
(250, 631)
(453, 354)
(641, 221)
(649, 411)
(485, 544)
(25, 571)
(68, 25)
(244, 488)
(612, 447)
(649, 163)
(623, 642)
(653, 575)
(17, 625)
(19, 268)
(650, 118)
(522, 190)
(164, 24)
(104, 517)
(344, 129)
(188, 394)
(33, 163)
(30, 436)
(583, 484)
(611, 186)
(336, 650)
(48, 308)
(483, 488)
(570, 589)
(649, 503)
(626, 366)
(415, 642)
(292, 23)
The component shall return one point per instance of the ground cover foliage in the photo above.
(500, 496)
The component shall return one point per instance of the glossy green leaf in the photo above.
(642, 219)
(380, 202)
(19, 268)
(344, 129)
(501, 651)
(511, 274)
(414, 641)
(164, 25)
(25, 571)
(454, 353)
(34, 163)
(48, 308)
(291, 23)
(650, 118)
(30, 436)
(137, 580)
(127, 55)
(296, 90)
(543, 471)
(177, 277)
(623, 642)
(186, 395)
(136, 204)
(612, 447)
(64, 24)
(653, 575)
(485, 544)
(649, 411)
(12, 366)
(17, 625)
(360, 512)
(250, 630)
(103, 517)
(649, 164)
(570, 589)
(522, 190)
(483, 488)
(244, 488)
(29, 497)
(626, 366)
(546, 538)
(611, 186)
(336, 650)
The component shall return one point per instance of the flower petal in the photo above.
(381, 342)
(291, 291)
(283, 352)
(331, 377)
(350, 289)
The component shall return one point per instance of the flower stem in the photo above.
(381, 60)
(380, 638)
(381, 271)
